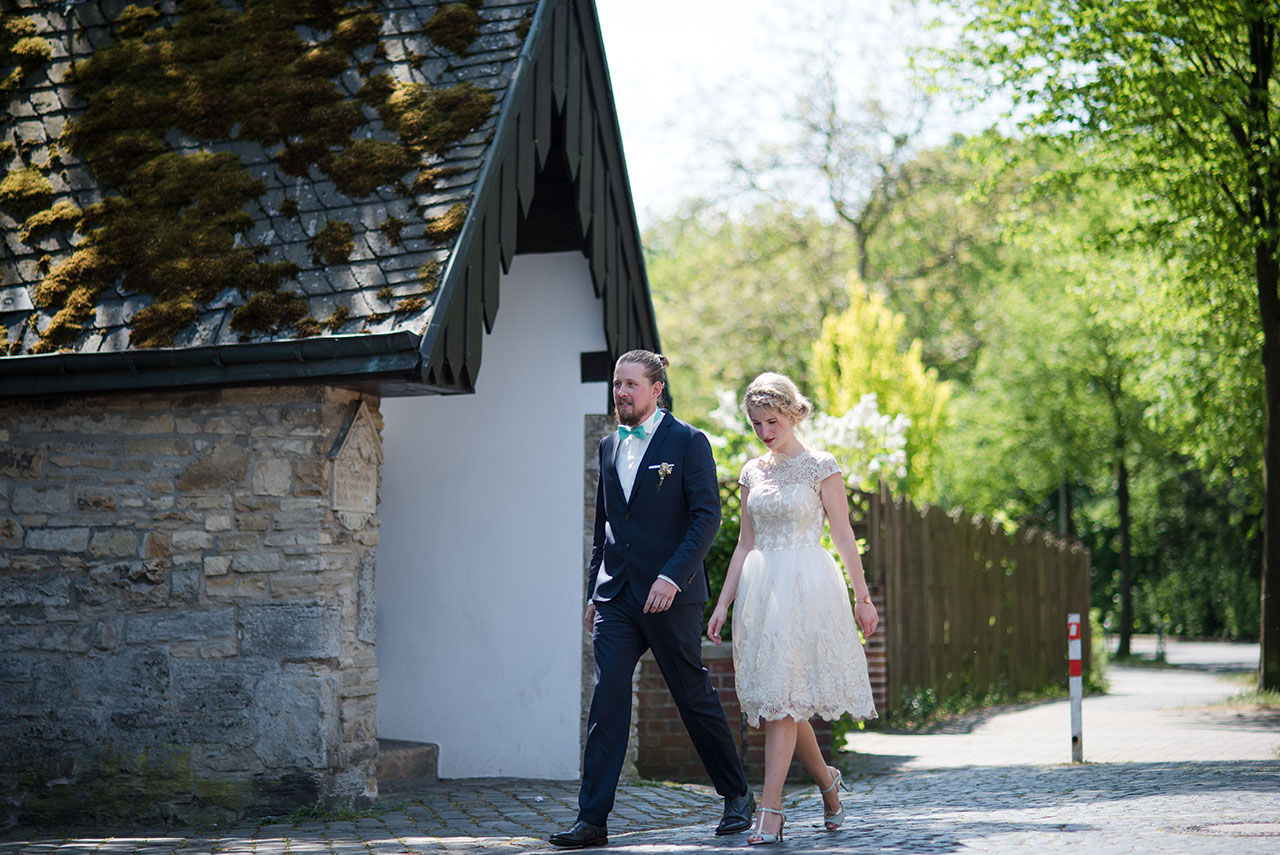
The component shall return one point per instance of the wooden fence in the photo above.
(964, 605)
(967, 606)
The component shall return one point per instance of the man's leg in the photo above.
(675, 636)
(618, 646)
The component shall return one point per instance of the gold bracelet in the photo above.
(866, 599)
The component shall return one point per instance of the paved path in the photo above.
(1172, 771)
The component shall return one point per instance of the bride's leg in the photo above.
(779, 748)
(810, 754)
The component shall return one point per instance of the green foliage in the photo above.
(860, 352)
(738, 295)
(917, 709)
(1182, 94)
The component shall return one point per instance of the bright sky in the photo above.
(684, 71)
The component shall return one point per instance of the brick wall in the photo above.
(665, 750)
(186, 624)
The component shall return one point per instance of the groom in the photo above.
(657, 511)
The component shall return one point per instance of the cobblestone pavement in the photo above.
(994, 783)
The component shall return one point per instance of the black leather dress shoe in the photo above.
(738, 811)
(582, 835)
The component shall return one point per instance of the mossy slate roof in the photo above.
(400, 294)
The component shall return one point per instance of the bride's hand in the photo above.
(718, 617)
(867, 618)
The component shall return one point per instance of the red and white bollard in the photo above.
(1076, 682)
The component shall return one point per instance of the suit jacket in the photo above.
(667, 526)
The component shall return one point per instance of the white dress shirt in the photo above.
(630, 453)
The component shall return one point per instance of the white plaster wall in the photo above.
(480, 570)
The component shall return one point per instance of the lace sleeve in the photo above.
(825, 466)
(745, 478)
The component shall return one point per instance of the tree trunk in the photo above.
(1126, 552)
(1269, 302)
(1264, 209)
(1064, 508)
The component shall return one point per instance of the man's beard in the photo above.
(632, 416)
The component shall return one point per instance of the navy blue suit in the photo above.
(665, 529)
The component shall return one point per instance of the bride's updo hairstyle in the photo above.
(775, 392)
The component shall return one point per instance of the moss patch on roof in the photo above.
(334, 242)
(448, 224)
(454, 27)
(21, 50)
(25, 191)
(64, 214)
(174, 223)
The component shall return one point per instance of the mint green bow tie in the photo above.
(624, 432)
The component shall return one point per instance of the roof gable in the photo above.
(342, 218)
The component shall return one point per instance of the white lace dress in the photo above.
(796, 650)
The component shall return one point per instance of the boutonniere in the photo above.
(664, 469)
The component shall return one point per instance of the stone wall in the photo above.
(186, 623)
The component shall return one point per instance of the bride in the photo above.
(796, 653)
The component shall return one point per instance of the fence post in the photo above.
(1077, 688)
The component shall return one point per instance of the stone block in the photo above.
(12, 534)
(217, 522)
(123, 681)
(297, 719)
(46, 589)
(159, 447)
(115, 543)
(157, 545)
(58, 539)
(282, 631)
(101, 498)
(216, 565)
(222, 465)
(41, 500)
(185, 625)
(22, 462)
(272, 478)
(184, 584)
(255, 562)
(15, 669)
(239, 541)
(190, 541)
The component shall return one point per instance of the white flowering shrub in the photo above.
(870, 446)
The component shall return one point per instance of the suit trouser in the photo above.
(621, 635)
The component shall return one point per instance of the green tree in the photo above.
(1184, 88)
(738, 295)
(861, 351)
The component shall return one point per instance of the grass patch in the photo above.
(320, 812)
(1263, 700)
(923, 708)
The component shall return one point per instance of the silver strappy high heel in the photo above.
(832, 821)
(761, 836)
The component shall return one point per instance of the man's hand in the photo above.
(590, 618)
(661, 595)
